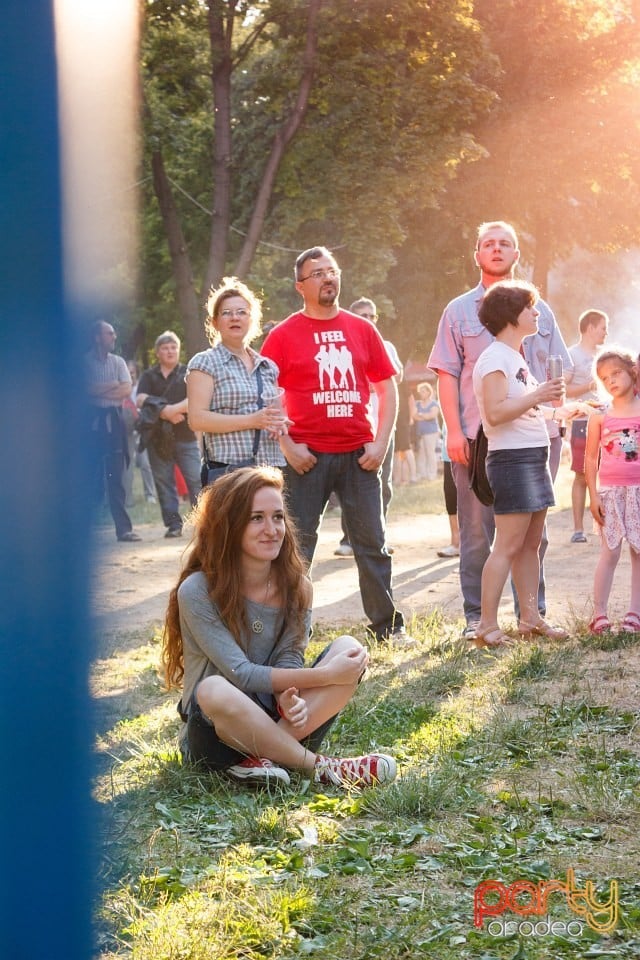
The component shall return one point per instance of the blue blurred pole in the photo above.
(45, 724)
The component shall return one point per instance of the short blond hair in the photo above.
(232, 287)
(496, 225)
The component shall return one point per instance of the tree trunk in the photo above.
(221, 23)
(542, 261)
(191, 313)
(282, 139)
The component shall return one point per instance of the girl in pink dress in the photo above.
(612, 470)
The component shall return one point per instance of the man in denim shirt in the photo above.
(460, 340)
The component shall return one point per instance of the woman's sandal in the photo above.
(631, 623)
(541, 629)
(493, 637)
(601, 624)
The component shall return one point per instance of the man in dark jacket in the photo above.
(171, 442)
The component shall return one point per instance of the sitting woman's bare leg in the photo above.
(325, 702)
(243, 725)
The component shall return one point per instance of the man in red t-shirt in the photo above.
(329, 360)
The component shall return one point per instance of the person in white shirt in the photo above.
(510, 401)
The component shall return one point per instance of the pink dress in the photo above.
(619, 480)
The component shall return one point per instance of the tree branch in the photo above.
(280, 142)
(180, 260)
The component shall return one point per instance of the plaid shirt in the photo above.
(235, 391)
(98, 370)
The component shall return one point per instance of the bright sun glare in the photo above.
(96, 45)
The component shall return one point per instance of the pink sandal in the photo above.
(600, 624)
(631, 623)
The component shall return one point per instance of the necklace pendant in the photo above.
(258, 625)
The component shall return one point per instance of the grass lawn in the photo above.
(514, 766)
(518, 766)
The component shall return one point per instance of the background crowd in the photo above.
(326, 405)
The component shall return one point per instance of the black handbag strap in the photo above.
(170, 380)
(256, 433)
(256, 436)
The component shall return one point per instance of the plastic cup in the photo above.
(275, 401)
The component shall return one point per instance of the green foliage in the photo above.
(228, 916)
(393, 94)
(177, 119)
(560, 154)
(424, 119)
(569, 88)
(382, 135)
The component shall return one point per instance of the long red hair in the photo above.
(220, 519)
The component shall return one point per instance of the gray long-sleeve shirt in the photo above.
(211, 650)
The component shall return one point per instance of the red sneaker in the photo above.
(355, 771)
(258, 770)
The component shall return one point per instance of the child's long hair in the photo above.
(624, 356)
(220, 519)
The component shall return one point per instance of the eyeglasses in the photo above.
(242, 313)
(368, 316)
(332, 273)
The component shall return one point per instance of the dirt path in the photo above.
(131, 581)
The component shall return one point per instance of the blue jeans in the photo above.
(187, 456)
(361, 501)
(477, 530)
(109, 459)
(386, 470)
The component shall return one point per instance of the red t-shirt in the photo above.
(326, 367)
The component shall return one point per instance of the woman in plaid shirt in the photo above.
(232, 390)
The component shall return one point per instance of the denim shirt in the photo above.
(461, 338)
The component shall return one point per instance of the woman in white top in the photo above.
(513, 419)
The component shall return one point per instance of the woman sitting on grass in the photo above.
(237, 627)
